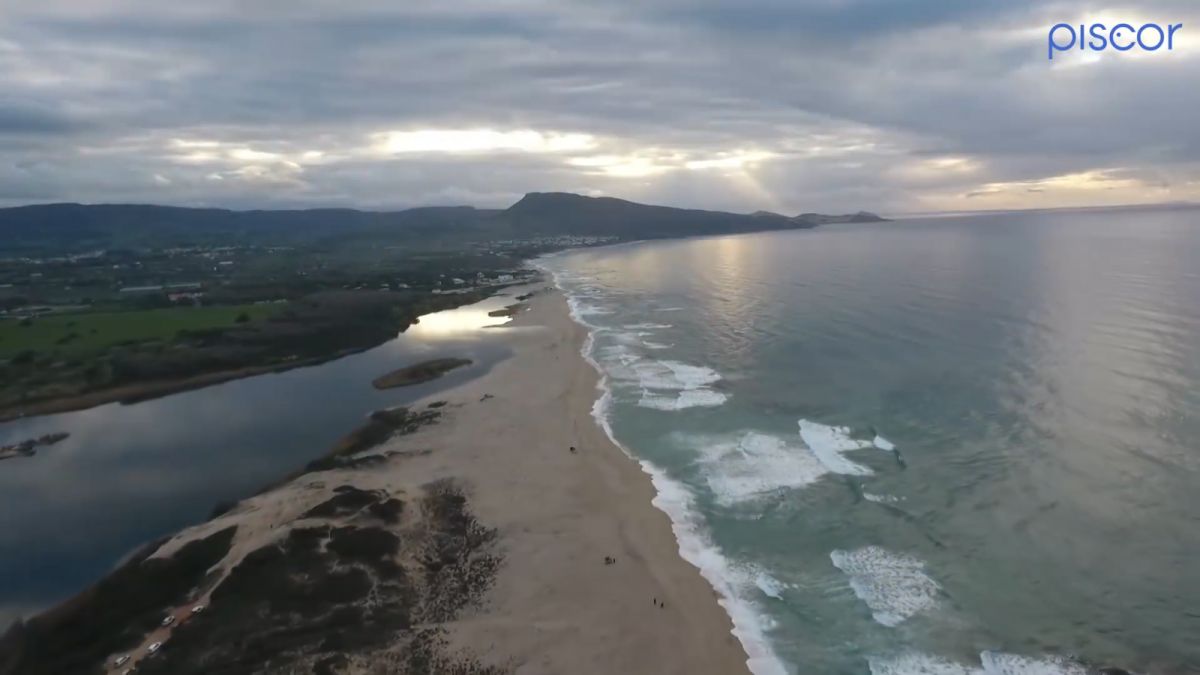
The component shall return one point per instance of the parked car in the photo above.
(169, 620)
(121, 660)
(154, 647)
(197, 609)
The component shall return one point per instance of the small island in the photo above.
(29, 447)
(419, 373)
(510, 310)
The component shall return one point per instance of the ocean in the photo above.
(960, 445)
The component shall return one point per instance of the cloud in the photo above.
(20, 120)
(792, 105)
(457, 141)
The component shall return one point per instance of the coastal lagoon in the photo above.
(130, 474)
(958, 445)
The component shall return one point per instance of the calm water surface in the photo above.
(130, 474)
(942, 446)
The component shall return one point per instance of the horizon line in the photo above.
(895, 215)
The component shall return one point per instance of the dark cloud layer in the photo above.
(789, 105)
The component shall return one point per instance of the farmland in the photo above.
(73, 335)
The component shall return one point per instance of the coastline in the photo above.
(674, 500)
(541, 597)
(556, 607)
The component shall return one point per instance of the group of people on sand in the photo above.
(609, 560)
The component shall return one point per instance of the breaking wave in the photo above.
(894, 586)
(990, 663)
(828, 443)
(750, 626)
(754, 465)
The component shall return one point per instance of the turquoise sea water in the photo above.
(944, 446)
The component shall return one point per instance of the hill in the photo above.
(822, 219)
(55, 229)
(559, 213)
(65, 228)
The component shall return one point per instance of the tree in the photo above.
(24, 358)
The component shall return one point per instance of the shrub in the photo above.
(24, 358)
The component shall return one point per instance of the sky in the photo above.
(894, 106)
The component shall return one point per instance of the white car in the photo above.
(154, 647)
(169, 620)
(197, 609)
(121, 660)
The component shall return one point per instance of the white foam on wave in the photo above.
(672, 385)
(665, 385)
(1000, 663)
(894, 586)
(585, 309)
(637, 339)
(674, 375)
(880, 499)
(769, 585)
(688, 398)
(622, 354)
(754, 465)
(883, 443)
(915, 663)
(991, 663)
(828, 443)
(695, 546)
(579, 311)
(751, 580)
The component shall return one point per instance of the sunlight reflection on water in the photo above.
(456, 323)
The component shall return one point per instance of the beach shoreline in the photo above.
(571, 567)
(556, 606)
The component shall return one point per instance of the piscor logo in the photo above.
(1097, 37)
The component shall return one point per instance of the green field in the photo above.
(94, 332)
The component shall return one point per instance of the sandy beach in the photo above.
(556, 606)
(553, 603)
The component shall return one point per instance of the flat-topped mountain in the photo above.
(553, 213)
